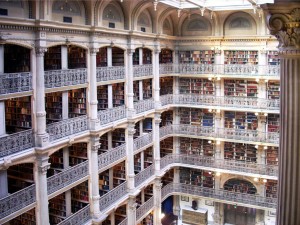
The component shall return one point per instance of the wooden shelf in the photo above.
(272, 155)
(54, 107)
(201, 86)
(103, 182)
(117, 57)
(166, 147)
(118, 137)
(102, 96)
(241, 186)
(194, 146)
(147, 56)
(273, 122)
(118, 94)
(166, 118)
(199, 117)
(273, 90)
(19, 177)
(147, 89)
(76, 57)
(201, 178)
(52, 58)
(16, 59)
(240, 152)
(197, 57)
(77, 102)
(27, 218)
(165, 56)
(240, 88)
(119, 174)
(101, 57)
(57, 209)
(166, 84)
(273, 58)
(241, 120)
(241, 57)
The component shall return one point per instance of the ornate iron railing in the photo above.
(167, 68)
(111, 156)
(197, 69)
(144, 209)
(80, 217)
(16, 142)
(113, 196)
(15, 82)
(143, 70)
(17, 201)
(221, 195)
(142, 141)
(111, 115)
(143, 175)
(67, 177)
(167, 99)
(67, 127)
(124, 222)
(110, 73)
(165, 131)
(144, 105)
(65, 77)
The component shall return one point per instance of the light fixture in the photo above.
(209, 172)
(209, 142)
(256, 146)
(155, 4)
(178, 12)
(256, 114)
(265, 114)
(209, 110)
(257, 79)
(266, 80)
(218, 142)
(265, 180)
(162, 215)
(202, 11)
(255, 179)
(218, 174)
(265, 147)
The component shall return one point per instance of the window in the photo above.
(67, 19)
(143, 29)
(111, 25)
(3, 12)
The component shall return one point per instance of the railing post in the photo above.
(156, 144)
(157, 201)
(41, 209)
(42, 138)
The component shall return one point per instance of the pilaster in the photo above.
(156, 144)
(129, 83)
(64, 57)
(2, 118)
(130, 131)
(157, 201)
(156, 86)
(131, 210)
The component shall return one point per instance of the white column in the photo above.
(65, 105)
(129, 132)
(1, 58)
(176, 198)
(217, 216)
(143, 196)
(156, 144)
(112, 218)
(131, 210)
(109, 56)
(64, 57)
(109, 140)
(94, 122)
(262, 62)
(141, 127)
(41, 209)
(42, 138)
(262, 89)
(156, 86)
(2, 118)
(157, 201)
(140, 56)
(283, 19)
(141, 91)
(66, 163)
(129, 82)
(111, 178)
(94, 176)
(262, 120)
(142, 160)
(110, 96)
(4, 184)
(218, 88)
(218, 56)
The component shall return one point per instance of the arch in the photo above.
(111, 13)
(140, 7)
(232, 177)
(196, 25)
(76, 10)
(167, 27)
(240, 23)
(144, 22)
(17, 8)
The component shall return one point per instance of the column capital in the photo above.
(284, 23)
(44, 167)
(93, 50)
(130, 128)
(40, 51)
(130, 51)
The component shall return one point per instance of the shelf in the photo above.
(194, 146)
(16, 59)
(166, 84)
(54, 107)
(197, 57)
(240, 120)
(241, 57)
(118, 94)
(240, 186)
(102, 97)
(240, 152)
(273, 58)
(117, 57)
(76, 57)
(101, 57)
(77, 102)
(147, 89)
(165, 56)
(118, 137)
(240, 88)
(273, 90)
(200, 86)
(19, 177)
(52, 58)
(147, 56)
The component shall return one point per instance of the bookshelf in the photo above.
(136, 91)
(148, 220)
(106, 221)
(165, 56)
(57, 209)
(136, 57)
(147, 56)
(201, 86)
(77, 102)
(103, 143)
(196, 117)
(194, 146)
(117, 56)
(273, 58)
(241, 186)
(79, 196)
(119, 174)
(147, 88)
(241, 120)
(240, 152)
(103, 182)
(16, 59)
(76, 57)
(272, 155)
(201, 178)
(27, 218)
(240, 88)
(137, 130)
(118, 94)
(271, 188)
(53, 107)
(241, 57)
(166, 84)
(18, 114)
(166, 118)
(166, 147)
(148, 157)
(273, 121)
(78, 153)
(118, 137)
(56, 163)
(101, 57)
(19, 177)
(197, 57)
(137, 163)
(102, 96)
(52, 58)
(168, 177)
(273, 89)
(184, 85)
(120, 214)
(148, 192)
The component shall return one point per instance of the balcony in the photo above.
(111, 157)
(15, 82)
(65, 77)
(110, 73)
(142, 141)
(142, 70)
(112, 115)
(144, 105)
(144, 209)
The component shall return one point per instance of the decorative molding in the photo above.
(40, 51)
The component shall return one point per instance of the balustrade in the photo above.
(111, 115)
(80, 217)
(143, 175)
(142, 141)
(15, 82)
(166, 99)
(16, 142)
(144, 105)
(65, 77)
(110, 73)
(111, 156)
(143, 70)
(67, 127)
(168, 68)
(144, 209)
(124, 222)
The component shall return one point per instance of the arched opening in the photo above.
(16, 59)
(166, 56)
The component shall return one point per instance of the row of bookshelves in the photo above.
(201, 86)
(194, 146)
(197, 177)
(200, 117)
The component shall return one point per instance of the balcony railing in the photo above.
(16, 142)
(113, 196)
(142, 141)
(144, 209)
(17, 201)
(67, 177)
(143, 175)
(15, 82)
(143, 70)
(167, 68)
(111, 115)
(111, 156)
(167, 99)
(65, 77)
(225, 164)
(221, 195)
(80, 217)
(67, 127)
(124, 222)
(144, 105)
(110, 73)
